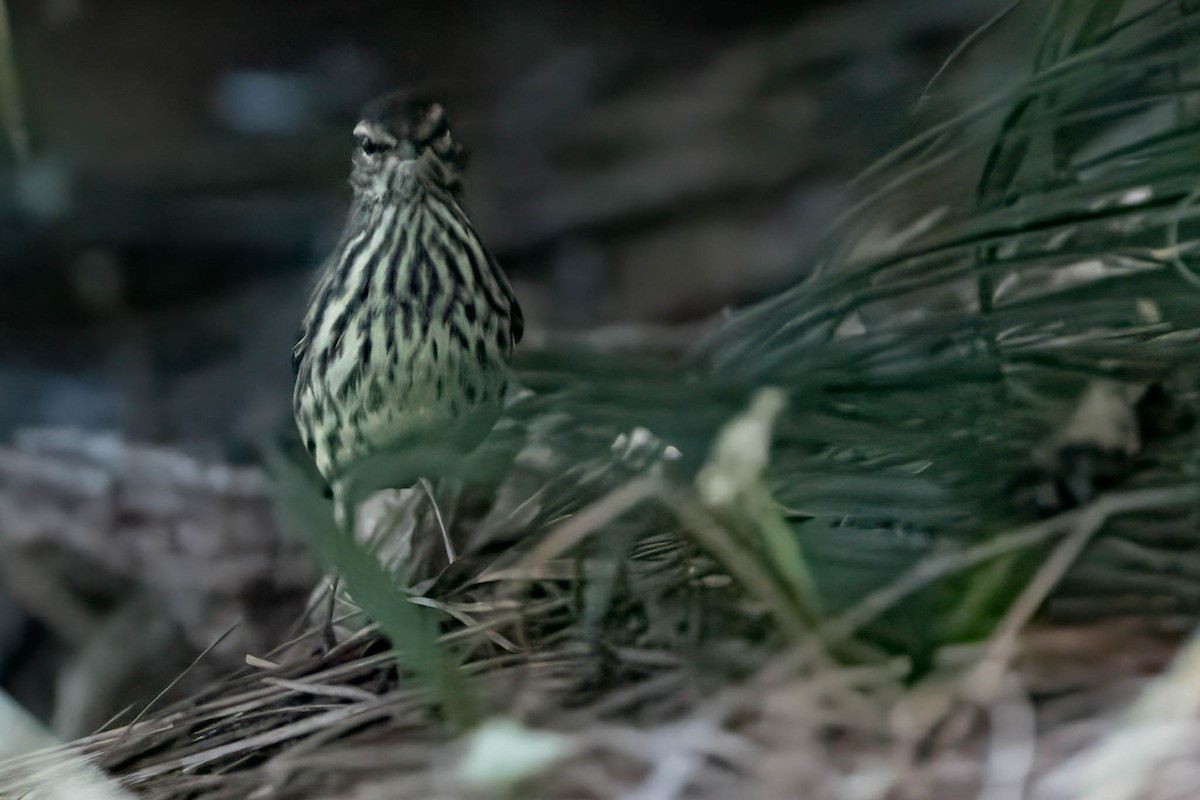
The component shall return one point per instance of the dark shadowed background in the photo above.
(631, 162)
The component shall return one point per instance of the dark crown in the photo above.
(405, 117)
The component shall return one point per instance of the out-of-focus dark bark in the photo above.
(638, 162)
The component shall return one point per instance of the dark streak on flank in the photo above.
(375, 396)
(406, 319)
(433, 284)
(364, 323)
(513, 314)
(364, 350)
(338, 331)
(397, 260)
(334, 287)
(457, 270)
(467, 246)
(460, 338)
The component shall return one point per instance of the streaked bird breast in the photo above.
(408, 337)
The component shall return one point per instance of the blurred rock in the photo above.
(100, 518)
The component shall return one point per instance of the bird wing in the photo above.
(298, 351)
(516, 316)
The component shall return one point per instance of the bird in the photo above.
(408, 338)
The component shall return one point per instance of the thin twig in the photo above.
(987, 676)
(584, 523)
(1012, 748)
(714, 538)
(963, 46)
(322, 689)
(266, 739)
(177, 679)
(451, 556)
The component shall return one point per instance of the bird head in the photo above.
(402, 137)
